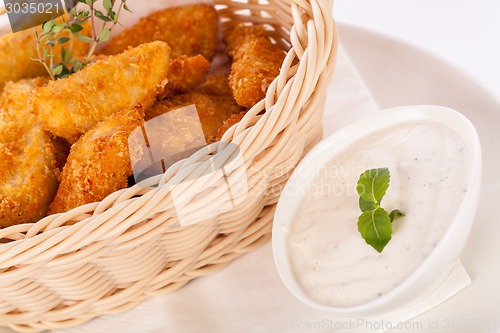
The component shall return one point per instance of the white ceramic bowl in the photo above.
(438, 263)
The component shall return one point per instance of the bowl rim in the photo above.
(425, 276)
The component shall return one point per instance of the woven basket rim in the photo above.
(294, 104)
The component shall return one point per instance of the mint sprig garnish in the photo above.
(375, 223)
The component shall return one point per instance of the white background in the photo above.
(464, 32)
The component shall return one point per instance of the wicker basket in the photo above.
(130, 246)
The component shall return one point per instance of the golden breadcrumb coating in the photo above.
(69, 107)
(215, 84)
(256, 63)
(99, 163)
(28, 177)
(212, 108)
(17, 49)
(184, 75)
(189, 30)
(232, 120)
(236, 36)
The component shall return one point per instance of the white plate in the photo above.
(396, 73)
(399, 74)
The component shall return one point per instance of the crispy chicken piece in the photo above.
(215, 85)
(232, 120)
(28, 181)
(69, 107)
(99, 163)
(256, 63)
(212, 108)
(17, 49)
(189, 30)
(184, 75)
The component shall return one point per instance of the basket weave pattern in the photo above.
(130, 246)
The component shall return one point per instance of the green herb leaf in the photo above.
(47, 26)
(373, 184)
(113, 16)
(83, 38)
(50, 42)
(126, 7)
(101, 16)
(376, 228)
(77, 65)
(366, 205)
(57, 28)
(56, 70)
(107, 4)
(75, 28)
(374, 223)
(63, 40)
(395, 213)
(52, 34)
(104, 35)
(65, 54)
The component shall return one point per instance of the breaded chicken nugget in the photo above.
(99, 163)
(256, 63)
(189, 30)
(28, 177)
(212, 109)
(215, 84)
(232, 120)
(17, 49)
(184, 75)
(69, 107)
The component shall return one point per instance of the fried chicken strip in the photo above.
(213, 106)
(99, 163)
(189, 30)
(184, 75)
(17, 49)
(69, 107)
(28, 181)
(256, 63)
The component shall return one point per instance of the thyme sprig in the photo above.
(65, 30)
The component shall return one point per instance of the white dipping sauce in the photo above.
(429, 176)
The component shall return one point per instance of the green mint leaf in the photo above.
(375, 223)
(366, 205)
(373, 184)
(376, 228)
(395, 213)
(104, 35)
(126, 7)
